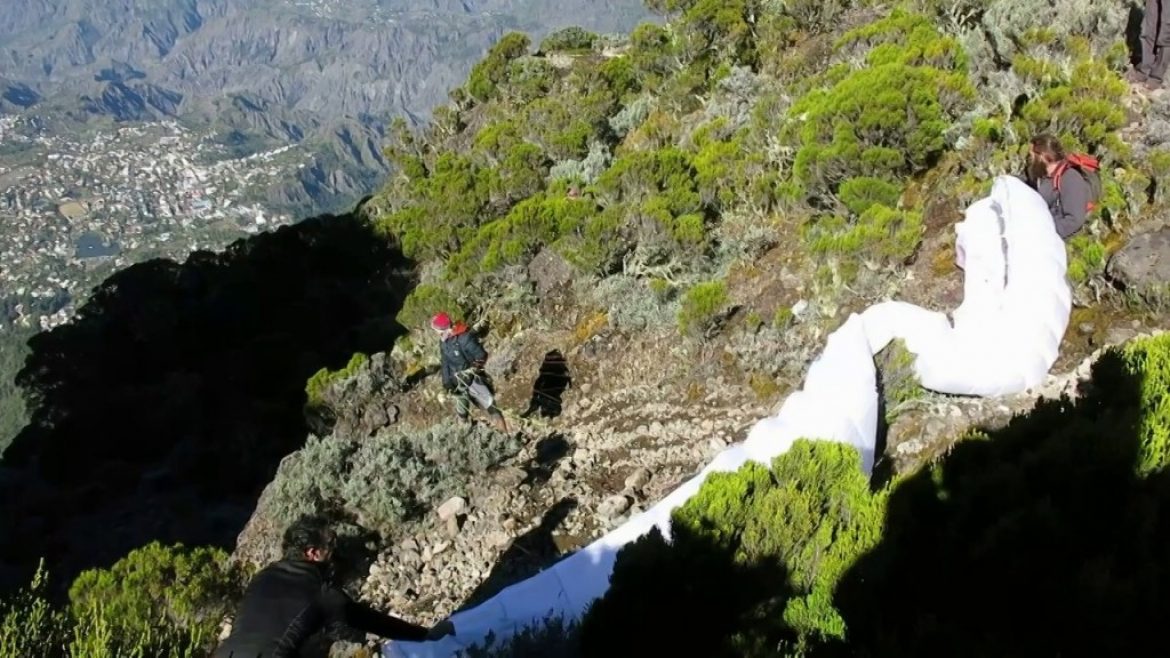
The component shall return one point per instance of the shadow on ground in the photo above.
(162, 411)
(549, 388)
(526, 555)
(1048, 537)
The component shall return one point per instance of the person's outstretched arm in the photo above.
(340, 608)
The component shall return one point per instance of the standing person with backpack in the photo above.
(1070, 183)
(462, 359)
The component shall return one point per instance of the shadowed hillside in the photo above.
(1044, 538)
(165, 407)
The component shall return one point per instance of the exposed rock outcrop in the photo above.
(1143, 265)
(361, 404)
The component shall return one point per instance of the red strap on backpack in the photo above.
(1084, 162)
(1080, 161)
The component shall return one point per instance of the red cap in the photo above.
(441, 321)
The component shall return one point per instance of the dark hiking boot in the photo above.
(1134, 76)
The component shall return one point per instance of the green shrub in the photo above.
(521, 174)
(880, 234)
(883, 122)
(423, 302)
(529, 78)
(861, 194)
(156, 601)
(324, 378)
(652, 52)
(1149, 362)
(1080, 102)
(158, 596)
(440, 209)
(716, 32)
(905, 38)
(486, 76)
(899, 383)
(29, 624)
(570, 39)
(702, 305)
(514, 239)
(553, 638)
(599, 244)
(384, 480)
(753, 560)
(659, 186)
(1086, 258)
(887, 118)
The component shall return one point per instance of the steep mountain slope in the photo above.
(654, 238)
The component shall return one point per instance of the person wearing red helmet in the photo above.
(462, 358)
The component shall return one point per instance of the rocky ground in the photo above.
(621, 418)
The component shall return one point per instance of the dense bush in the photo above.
(426, 300)
(886, 121)
(752, 561)
(324, 378)
(441, 209)
(515, 238)
(379, 482)
(157, 601)
(486, 76)
(568, 39)
(157, 590)
(702, 307)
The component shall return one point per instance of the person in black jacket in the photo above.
(462, 359)
(290, 602)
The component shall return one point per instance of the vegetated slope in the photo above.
(684, 216)
(750, 174)
(262, 73)
(737, 181)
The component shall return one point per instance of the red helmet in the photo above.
(441, 321)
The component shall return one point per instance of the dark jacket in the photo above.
(1070, 204)
(458, 353)
(291, 600)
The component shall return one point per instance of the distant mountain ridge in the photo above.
(262, 72)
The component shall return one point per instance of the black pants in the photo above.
(1155, 40)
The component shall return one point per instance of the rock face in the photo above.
(363, 403)
(549, 271)
(1143, 265)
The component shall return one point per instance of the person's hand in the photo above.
(441, 630)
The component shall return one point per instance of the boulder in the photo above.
(452, 508)
(361, 404)
(1143, 265)
(548, 271)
